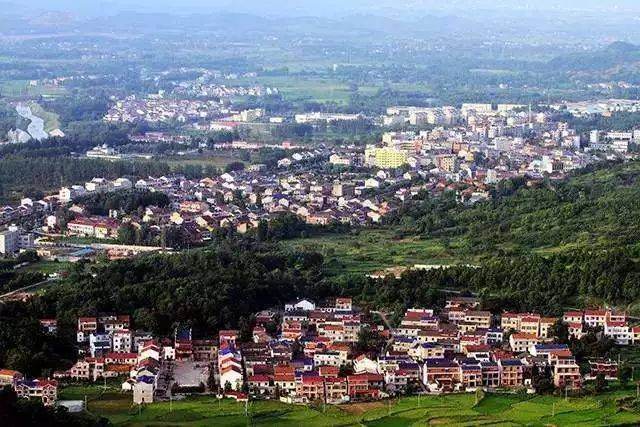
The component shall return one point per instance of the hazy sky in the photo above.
(325, 7)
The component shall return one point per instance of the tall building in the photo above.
(9, 241)
(385, 158)
(447, 162)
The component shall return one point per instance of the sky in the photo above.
(325, 7)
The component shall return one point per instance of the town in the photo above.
(467, 152)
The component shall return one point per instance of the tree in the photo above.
(624, 374)
(234, 166)
(542, 380)
(126, 234)
(560, 332)
(345, 370)
(600, 384)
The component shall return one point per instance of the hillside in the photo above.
(594, 210)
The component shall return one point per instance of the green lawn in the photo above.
(450, 410)
(375, 250)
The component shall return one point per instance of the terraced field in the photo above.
(449, 410)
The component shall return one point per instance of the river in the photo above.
(36, 126)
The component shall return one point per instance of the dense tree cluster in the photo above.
(125, 201)
(594, 209)
(32, 176)
(22, 412)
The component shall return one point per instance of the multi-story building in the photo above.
(511, 373)
(441, 374)
(9, 242)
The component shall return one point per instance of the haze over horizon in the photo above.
(328, 8)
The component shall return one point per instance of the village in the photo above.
(336, 353)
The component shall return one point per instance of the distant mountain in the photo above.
(615, 54)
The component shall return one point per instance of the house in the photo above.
(41, 389)
(336, 389)
(344, 304)
(50, 326)
(86, 326)
(285, 382)
(481, 319)
(595, 318)
(471, 374)
(327, 358)
(310, 388)
(566, 372)
(520, 342)
(231, 375)
(511, 373)
(490, 374)
(99, 344)
(303, 305)
(143, 389)
(9, 377)
(618, 331)
(573, 317)
(122, 341)
(441, 374)
(260, 384)
(606, 367)
(362, 364)
(362, 386)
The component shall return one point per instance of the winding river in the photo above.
(36, 126)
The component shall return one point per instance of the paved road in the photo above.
(26, 288)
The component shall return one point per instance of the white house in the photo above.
(362, 364)
(304, 305)
(233, 375)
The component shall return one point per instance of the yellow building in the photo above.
(385, 158)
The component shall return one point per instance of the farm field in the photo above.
(376, 250)
(450, 410)
(22, 89)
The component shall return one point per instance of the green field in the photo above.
(22, 89)
(300, 88)
(218, 162)
(47, 267)
(450, 410)
(375, 250)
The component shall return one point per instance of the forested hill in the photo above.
(596, 209)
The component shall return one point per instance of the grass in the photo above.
(375, 250)
(47, 267)
(450, 410)
(22, 89)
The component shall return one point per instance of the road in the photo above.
(26, 288)
(383, 316)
